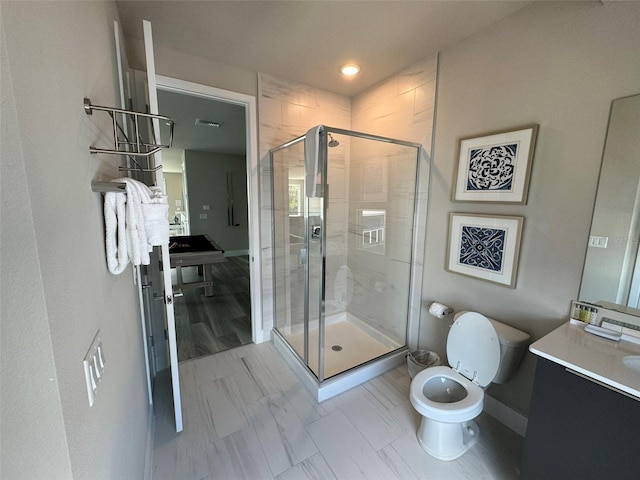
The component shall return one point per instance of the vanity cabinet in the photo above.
(578, 429)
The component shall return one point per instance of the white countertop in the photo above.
(596, 357)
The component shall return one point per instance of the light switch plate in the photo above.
(598, 242)
(93, 364)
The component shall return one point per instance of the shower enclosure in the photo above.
(344, 225)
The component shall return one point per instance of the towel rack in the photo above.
(104, 187)
(121, 142)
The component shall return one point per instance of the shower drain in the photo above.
(336, 348)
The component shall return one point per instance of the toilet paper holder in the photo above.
(439, 310)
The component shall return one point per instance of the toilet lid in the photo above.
(473, 348)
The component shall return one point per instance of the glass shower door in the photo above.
(298, 254)
(314, 274)
(343, 257)
(368, 254)
(289, 249)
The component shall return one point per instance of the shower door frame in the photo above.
(305, 322)
(323, 151)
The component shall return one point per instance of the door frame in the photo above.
(253, 169)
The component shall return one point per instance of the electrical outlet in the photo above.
(94, 363)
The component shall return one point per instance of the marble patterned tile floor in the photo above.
(246, 416)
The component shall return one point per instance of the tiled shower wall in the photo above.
(401, 107)
(287, 110)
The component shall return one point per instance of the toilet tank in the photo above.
(513, 343)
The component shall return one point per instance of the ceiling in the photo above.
(307, 41)
(184, 109)
(302, 41)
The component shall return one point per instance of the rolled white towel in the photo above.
(115, 235)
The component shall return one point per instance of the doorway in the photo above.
(211, 181)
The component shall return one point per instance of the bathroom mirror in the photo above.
(612, 264)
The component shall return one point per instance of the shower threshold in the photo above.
(344, 381)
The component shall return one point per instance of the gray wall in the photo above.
(173, 184)
(207, 185)
(56, 291)
(559, 65)
(193, 69)
(31, 413)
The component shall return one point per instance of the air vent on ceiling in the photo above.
(208, 123)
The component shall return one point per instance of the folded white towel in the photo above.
(136, 234)
(312, 159)
(116, 238)
(147, 226)
(156, 223)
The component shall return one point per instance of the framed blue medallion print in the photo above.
(485, 247)
(496, 167)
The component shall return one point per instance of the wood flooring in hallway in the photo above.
(208, 325)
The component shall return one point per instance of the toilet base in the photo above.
(447, 441)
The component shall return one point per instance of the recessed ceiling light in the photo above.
(208, 123)
(350, 69)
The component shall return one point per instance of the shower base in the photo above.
(349, 347)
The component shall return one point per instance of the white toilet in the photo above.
(480, 351)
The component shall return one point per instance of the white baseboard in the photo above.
(506, 415)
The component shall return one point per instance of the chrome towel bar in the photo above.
(104, 187)
(122, 145)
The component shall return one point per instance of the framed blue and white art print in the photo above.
(496, 167)
(485, 247)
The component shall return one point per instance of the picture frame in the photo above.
(486, 247)
(496, 167)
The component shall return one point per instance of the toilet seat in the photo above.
(473, 350)
(453, 412)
